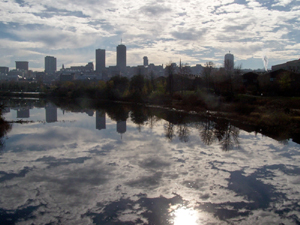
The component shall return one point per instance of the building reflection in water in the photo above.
(51, 113)
(90, 112)
(121, 127)
(100, 120)
(23, 113)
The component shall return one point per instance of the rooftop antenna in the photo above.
(121, 40)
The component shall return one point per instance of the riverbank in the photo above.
(276, 117)
(272, 114)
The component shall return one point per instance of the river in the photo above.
(124, 164)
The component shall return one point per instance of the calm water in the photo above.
(131, 165)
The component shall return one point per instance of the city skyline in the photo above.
(193, 31)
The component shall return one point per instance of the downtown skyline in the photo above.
(164, 31)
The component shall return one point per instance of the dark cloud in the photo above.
(153, 163)
(235, 28)
(146, 181)
(75, 179)
(189, 34)
(54, 162)
(9, 176)
(153, 11)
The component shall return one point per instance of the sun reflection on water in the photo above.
(183, 215)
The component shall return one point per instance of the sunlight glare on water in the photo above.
(183, 215)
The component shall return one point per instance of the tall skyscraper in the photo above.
(145, 61)
(22, 65)
(100, 60)
(229, 62)
(50, 64)
(121, 57)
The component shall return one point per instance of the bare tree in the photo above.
(207, 72)
(170, 71)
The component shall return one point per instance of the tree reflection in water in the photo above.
(223, 132)
(169, 131)
(5, 127)
(139, 116)
(209, 131)
(183, 132)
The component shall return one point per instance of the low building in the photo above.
(66, 77)
(293, 66)
(4, 70)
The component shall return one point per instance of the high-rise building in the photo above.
(22, 65)
(229, 62)
(145, 61)
(100, 60)
(50, 64)
(121, 57)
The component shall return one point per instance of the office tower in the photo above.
(229, 62)
(22, 65)
(100, 60)
(121, 57)
(100, 120)
(50, 64)
(145, 61)
(51, 113)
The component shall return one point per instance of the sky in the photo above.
(195, 31)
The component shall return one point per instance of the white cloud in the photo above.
(184, 25)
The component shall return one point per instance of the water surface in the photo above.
(127, 164)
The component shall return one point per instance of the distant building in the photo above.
(293, 66)
(40, 76)
(50, 65)
(66, 77)
(18, 72)
(121, 57)
(114, 71)
(4, 70)
(87, 68)
(138, 70)
(155, 71)
(229, 62)
(145, 61)
(22, 65)
(196, 70)
(100, 60)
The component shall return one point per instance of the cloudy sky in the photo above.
(190, 30)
